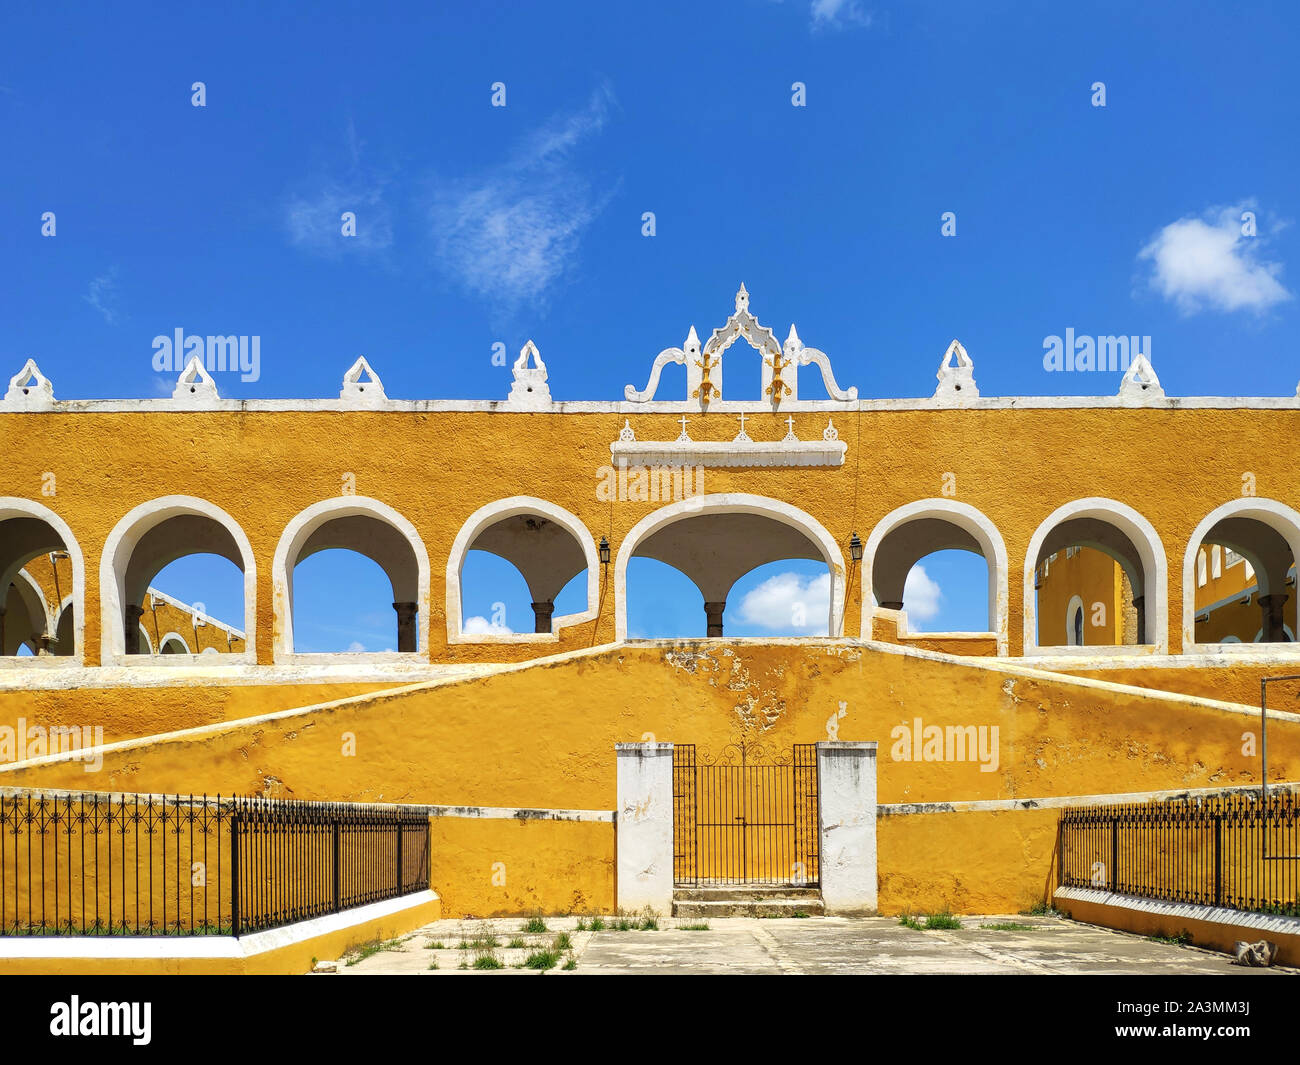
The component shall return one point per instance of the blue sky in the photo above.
(479, 224)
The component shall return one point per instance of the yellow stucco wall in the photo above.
(436, 468)
(543, 735)
(489, 867)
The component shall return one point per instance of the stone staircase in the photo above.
(747, 900)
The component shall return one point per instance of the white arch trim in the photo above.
(731, 503)
(1277, 516)
(174, 636)
(118, 548)
(16, 507)
(296, 534)
(1155, 575)
(487, 516)
(1071, 608)
(148, 641)
(966, 518)
(38, 593)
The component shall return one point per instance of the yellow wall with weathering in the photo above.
(544, 736)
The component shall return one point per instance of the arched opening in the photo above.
(40, 568)
(173, 644)
(1245, 593)
(376, 581)
(196, 595)
(520, 568)
(715, 541)
(146, 549)
(1095, 579)
(918, 550)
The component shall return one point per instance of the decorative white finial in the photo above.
(1140, 382)
(195, 383)
(371, 390)
(626, 434)
(29, 389)
(742, 437)
(683, 438)
(742, 298)
(789, 437)
(530, 390)
(956, 376)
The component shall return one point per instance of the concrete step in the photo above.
(772, 907)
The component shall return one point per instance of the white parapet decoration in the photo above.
(529, 390)
(195, 384)
(780, 363)
(846, 792)
(1140, 383)
(956, 377)
(29, 389)
(644, 827)
(741, 450)
(361, 385)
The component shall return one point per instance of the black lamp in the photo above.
(855, 548)
(604, 551)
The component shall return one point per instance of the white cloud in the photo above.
(1208, 263)
(788, 601)
(356, 645)
(511, 233)
(922, 595)
(838, 14)
(315, 220)
(480, 626)
(102, 295)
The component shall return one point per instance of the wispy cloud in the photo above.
(511, 233)
(1209, 263)
(839, 14)
(102, 295)
(313, 213)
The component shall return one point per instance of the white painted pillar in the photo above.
(644, 832)
(847, 813)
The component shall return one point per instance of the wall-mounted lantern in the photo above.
(604, 551)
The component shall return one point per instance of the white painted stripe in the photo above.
(1253, 922)
(1060, 802)
(200, 948)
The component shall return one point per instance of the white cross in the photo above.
(789, 424)
(683, 421)
(742, 423)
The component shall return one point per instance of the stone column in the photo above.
(713, 612)
(1270, 608)
(846, 796)
(133, 615)
(542, 615)
(1140, 605)
(405, 626)
(644, 827)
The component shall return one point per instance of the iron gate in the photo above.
(746, 817)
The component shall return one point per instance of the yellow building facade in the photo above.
(1150, 701)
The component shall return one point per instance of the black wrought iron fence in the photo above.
(1232, 851)
(97, 864)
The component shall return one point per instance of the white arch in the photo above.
(296, 534)
(1155, 572)
(148, 641)
(16, 507)
(1282, 519)
(487, 516)
(174, 636)
(969, 520)
(1071, 608)
(731, 503)
(36, 594)
(120, 545)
